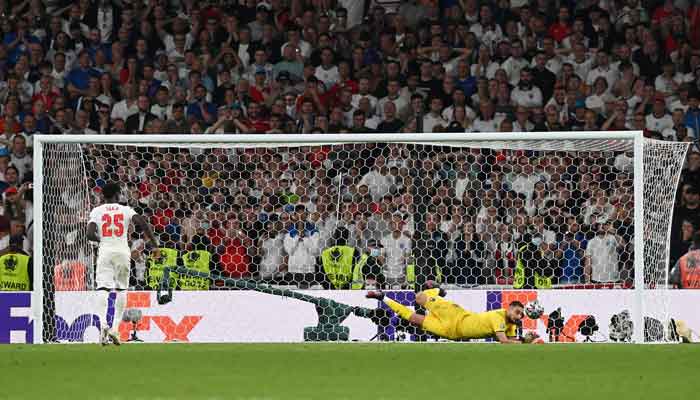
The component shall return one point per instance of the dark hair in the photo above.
(696, 239)
(516, 303)
(110, 190)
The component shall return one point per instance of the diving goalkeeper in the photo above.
(450, 321)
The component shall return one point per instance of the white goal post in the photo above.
(63, 195)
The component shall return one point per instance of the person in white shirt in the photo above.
(669, 81)
(301, 246)
(598, 209)
(363, 91)
(524, 181)
(601, 259)
(397, 250)
(393, 89)
(484, 67)
(526, 94)
(271, 248)
(109, 226)
(486, 30)
(600, 96)
(327, 72)
(624, 162)
(434, 117)
(19, 157)
(378, 180)
(487, 121)
(581, 61)
(522, 121)
(672, 133)
(602, 69)
(127, 107)
(294, 37)
(515, 62)
(659, 119)
(554, 61)
(162, 109)
(459, 100)
(59, 71)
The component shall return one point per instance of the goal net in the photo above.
(567, 219)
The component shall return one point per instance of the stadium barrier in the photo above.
(243, 316)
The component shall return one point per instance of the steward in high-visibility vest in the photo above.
(343, 267)
(15, 271)
(530, 267)
(686, 273)
(411, 275)
(198, 260)
(154, 267)
(341, 264)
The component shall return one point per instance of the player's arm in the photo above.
(92, 232)
(141, 222)
(530, 337)
(503, 339)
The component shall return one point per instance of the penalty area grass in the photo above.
(325, 371)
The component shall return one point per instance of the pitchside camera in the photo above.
(133, 315)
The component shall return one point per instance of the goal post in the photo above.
(547, 181)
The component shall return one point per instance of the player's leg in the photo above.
(398, 308)
(122, 265)
(104, 281)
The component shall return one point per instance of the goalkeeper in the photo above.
(450, 321)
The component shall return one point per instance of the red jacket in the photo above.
(235, 261)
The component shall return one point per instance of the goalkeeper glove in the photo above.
(530, 337)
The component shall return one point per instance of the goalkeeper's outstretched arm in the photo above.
(503, 339)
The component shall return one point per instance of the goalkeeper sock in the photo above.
(401, 310)
(119, 305)
(102, 301)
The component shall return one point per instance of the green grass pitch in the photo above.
(348, 371)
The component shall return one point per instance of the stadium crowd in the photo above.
(359, 66)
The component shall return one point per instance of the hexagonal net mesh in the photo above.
(494, 219)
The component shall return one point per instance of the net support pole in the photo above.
(639, 234)
(38, 230)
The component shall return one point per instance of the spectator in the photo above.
(397, 250)
(271, 250)
(378, 180)
(302, 247)
(137, 122)
(601, 262)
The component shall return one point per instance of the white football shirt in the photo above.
(113, 225)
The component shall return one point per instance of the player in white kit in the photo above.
(109, 225)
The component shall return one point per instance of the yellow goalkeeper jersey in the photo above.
(449, 320)
(484, 325)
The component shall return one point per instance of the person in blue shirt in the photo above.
(153, 83)
(95, 44)
(692, 116)
(201, 109)
(17, 42)
(80, 77)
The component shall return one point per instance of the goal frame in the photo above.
(245, 140)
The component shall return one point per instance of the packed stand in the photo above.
(353, 66)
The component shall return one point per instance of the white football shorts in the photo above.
(113, 269)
